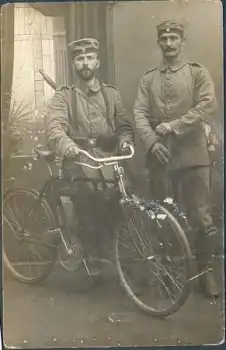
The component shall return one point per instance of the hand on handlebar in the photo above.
(126, 147)
(72, 151)
(75, 151)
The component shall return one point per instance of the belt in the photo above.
(85, 141)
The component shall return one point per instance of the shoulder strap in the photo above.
(192, 70)
(74, 116)
(74, 120)
(150, 70)
(107, 104)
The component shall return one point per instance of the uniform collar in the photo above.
(94, 88)
(174, 67)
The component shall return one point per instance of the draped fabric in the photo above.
(88, 19)
(83, 19)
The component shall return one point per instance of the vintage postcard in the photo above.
(112, 173)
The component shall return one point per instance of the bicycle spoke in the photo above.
(166, 288)
(13, 216)
(165, 271)
(160, 266)
(36, 253)
(140, 239)
(159, 288)
(13, 229)
(31, 257)
(143, 231)
(127, 243)
(16, 209)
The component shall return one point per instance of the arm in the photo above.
(124, 128)
(204, 109)
(142, 110)
(57, 124)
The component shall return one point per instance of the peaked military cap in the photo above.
(170, 26)
(82, 46)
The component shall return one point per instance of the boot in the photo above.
(210, 288)
(205, 245)
(208, 284)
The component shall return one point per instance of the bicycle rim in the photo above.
(29, 247)
(153, 258)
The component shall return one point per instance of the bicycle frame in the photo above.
(50, 198)
(50, 187)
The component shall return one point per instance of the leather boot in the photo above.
(205, 245)
(210, 286)
(208, 283)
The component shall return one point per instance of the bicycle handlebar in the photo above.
(81, 151)
(108, 159)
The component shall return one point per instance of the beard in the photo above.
(86, 74)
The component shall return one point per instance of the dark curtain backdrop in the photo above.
(88, 20)
(82, 19)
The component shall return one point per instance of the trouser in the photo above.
(90, 208)
(195, 188)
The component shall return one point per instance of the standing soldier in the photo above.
(175, 102)
(88, 115)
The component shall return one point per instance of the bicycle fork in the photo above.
(64, 232)
(63, 228)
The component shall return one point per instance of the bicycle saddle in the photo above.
(44, 152)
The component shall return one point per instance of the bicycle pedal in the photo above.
(91, 272)
(199, 275)
(95, 273)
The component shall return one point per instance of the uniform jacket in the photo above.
(182, 95)
(86, 117)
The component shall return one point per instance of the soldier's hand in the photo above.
(161, 152)
(125, 147)
(72, 151)
(163, 129)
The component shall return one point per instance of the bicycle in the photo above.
(152, 256)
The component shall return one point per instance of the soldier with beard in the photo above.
(92, 112)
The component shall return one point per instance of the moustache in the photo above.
(85, 69)
(169, 50)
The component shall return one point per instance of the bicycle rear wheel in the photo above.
(29, 235)
(153, 258)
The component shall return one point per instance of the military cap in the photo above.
(170, 26)
(82, 46)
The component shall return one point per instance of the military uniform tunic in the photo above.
(183, 96)
(89, 121)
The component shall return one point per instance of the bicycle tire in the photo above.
(9, 194)
(188, 265)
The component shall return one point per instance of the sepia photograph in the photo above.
(112, 163)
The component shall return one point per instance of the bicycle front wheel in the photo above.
(29, 239)
(153, 258)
